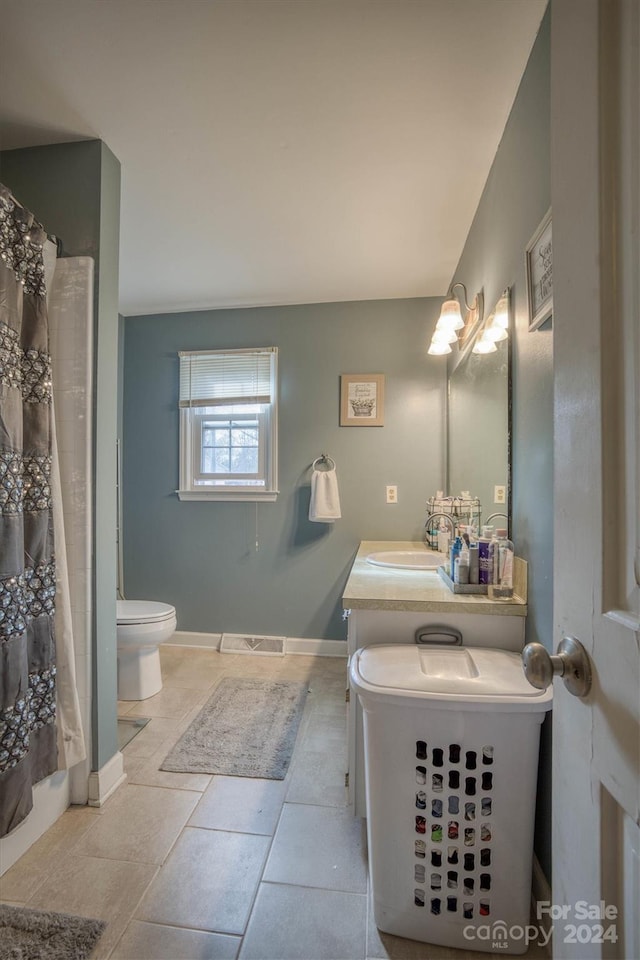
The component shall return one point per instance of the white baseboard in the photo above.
(541, 890)
(316, 648)
(186, 638)
(295, 645)
(106, 780)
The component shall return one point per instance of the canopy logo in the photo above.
(501, 936)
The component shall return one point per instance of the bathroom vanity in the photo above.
(389, 604)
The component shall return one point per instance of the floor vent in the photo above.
(240, 643)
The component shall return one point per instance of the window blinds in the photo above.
(224, 377)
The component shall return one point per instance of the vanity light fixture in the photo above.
(496, 327)
(451, 326)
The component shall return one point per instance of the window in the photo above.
(228, 425)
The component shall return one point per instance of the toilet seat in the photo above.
(143, 611)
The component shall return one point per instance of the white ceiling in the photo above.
(275, 151)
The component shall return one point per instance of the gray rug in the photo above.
(40, 935)
(247, 728)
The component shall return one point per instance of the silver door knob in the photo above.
(571, 663)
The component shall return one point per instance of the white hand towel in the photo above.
(324, 506)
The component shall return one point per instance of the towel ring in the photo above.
(324, 458)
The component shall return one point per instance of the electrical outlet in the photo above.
(499, 494)
(392, 494)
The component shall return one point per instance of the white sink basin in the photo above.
(407, 559)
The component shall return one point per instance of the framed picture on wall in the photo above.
(362, 400)
(539, 265)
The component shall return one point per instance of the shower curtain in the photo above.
(28, 734)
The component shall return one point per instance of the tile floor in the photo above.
(199, 867)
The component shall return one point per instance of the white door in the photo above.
(596, 746)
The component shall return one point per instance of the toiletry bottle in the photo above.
(444, 538)
(501, 565)
(484, 570)
(455, 553)
(462, 567)
(474, 562)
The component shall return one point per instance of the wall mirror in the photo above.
(479, 422)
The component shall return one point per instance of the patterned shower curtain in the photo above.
(27, 563)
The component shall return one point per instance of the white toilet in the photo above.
(142, 626)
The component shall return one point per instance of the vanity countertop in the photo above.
(385, 588)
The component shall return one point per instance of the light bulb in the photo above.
(501, 317)
(450, 316)
(494, 331)
(438, 349)
(444, 336)
(484, 346)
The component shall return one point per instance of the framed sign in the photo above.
(362, 400)
(539, 265)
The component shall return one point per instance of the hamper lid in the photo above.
(474, 675)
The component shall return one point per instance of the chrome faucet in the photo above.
(436, 516)
(494, 515)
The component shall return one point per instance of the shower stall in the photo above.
(65, 292)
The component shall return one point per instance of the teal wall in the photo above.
(516, 197)
(201, 557)
(74, 190)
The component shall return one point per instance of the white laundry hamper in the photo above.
(451, 758)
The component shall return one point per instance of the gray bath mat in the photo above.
(40, 935)
(247, 728)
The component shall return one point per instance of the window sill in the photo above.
(266, 496)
